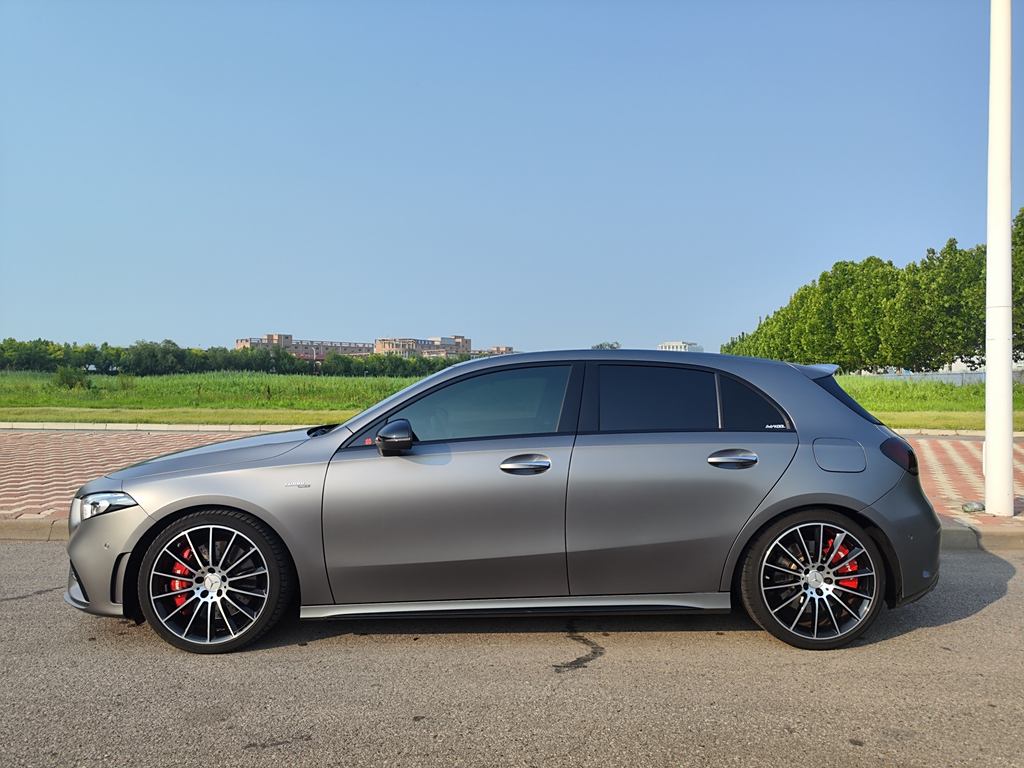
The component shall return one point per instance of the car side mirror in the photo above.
(395, 437)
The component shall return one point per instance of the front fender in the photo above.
(286, 498)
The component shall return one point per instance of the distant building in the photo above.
(680, 346)
(499, 349)
(435, 346)
(305, 349)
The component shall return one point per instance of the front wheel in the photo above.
(214, 581)
(814, 579)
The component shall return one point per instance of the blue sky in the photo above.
(542, 174)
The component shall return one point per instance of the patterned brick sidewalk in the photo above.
(951, 474)
(40, 470)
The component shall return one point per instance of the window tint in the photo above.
(637, 398)
(745, 410)
(521, 401)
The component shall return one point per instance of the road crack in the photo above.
(594, 652)
(30, 594)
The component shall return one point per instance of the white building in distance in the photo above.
(680, 346)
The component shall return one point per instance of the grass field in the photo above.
(259, 398)
(202, 398)
(927, 404)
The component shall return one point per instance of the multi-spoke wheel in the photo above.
(214, 581)
(815, 580)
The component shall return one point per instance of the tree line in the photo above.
(871, 314)
(150, 358)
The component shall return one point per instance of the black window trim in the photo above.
(589, 422)
(567, 421)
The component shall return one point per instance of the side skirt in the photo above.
(712, 602)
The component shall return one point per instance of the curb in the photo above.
(38, 529)
(85, 426)
(924, 432)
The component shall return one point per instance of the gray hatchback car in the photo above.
(562, 482)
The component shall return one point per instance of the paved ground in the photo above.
(40, 470)
(935, 683)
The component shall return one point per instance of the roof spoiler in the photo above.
(819, 371)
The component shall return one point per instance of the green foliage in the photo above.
(385, 365)
(67, 377)
(201, 390)
(871, 314)
(893, 395)
(150, 358)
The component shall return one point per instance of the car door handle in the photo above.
(526, 464)
(733, 458)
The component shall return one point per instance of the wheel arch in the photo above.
(129, 573)
(890, 560)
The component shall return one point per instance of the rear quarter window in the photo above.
(746, 410)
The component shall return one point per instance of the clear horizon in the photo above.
(539, 175)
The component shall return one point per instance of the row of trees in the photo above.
(871, 314)
(149, 358)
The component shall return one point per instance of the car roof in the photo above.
(705, 359)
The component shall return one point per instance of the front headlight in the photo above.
(96, 504)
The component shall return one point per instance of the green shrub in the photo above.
(67, 377)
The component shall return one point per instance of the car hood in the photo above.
(245, 449)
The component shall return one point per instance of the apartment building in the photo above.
(304, 348)
(435, 346)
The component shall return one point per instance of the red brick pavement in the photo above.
(951, 474)
(40, 470)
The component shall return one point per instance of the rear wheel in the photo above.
(214, 581)
(814, 579)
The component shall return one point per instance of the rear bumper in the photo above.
(914, 531)
(918, 595)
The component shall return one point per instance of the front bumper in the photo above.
(99, 549)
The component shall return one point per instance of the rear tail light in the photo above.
(900, 451)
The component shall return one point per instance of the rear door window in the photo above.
(645, 398)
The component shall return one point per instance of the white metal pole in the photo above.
(998, 309)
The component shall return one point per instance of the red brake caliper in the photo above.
(180, 570)
(850, 567)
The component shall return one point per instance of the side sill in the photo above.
(718, 602)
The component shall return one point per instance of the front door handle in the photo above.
(733, 458)
(526, 464)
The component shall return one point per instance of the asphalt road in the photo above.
(936, 683)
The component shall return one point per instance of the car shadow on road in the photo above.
(969, 582)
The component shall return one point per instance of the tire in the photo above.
(814, 579)
(217, 604)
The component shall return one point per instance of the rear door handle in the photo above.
(526, 464)
(733, 458)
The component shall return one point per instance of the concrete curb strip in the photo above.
(82, 426)
(38, 529)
